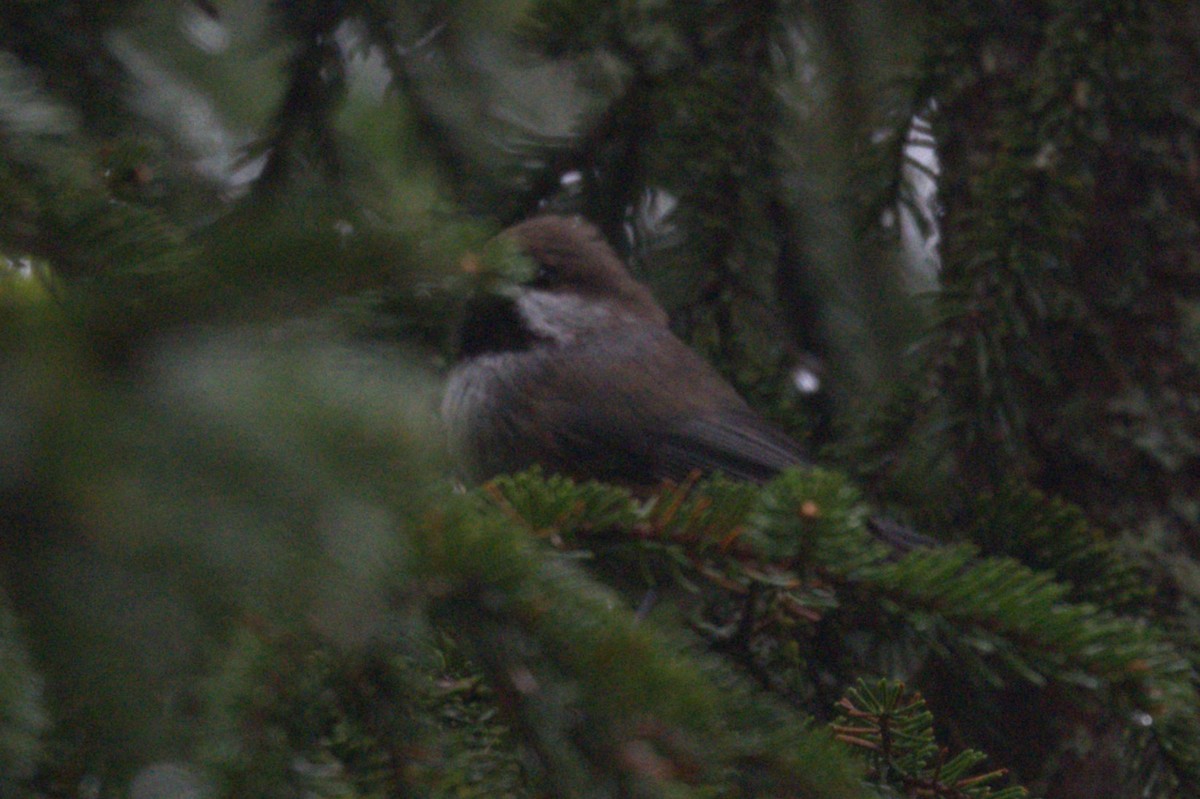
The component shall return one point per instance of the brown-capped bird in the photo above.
(577, 371)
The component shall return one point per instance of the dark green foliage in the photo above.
(290, 716)
(23, 717)
(1042, 532)
(1009, 623)
(1063, 358)
(1065, 302)
(600, 698)
(232, 244)
(56, 199)
(894, 729)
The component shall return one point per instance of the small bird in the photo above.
(577, 371)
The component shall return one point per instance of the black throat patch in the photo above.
(492, 324)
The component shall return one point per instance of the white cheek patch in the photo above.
(561, 317)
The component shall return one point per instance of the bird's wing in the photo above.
(737, 443)
(647, 408)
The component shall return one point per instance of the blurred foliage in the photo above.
(23, 717)
(232, 560)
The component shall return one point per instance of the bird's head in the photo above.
(557, 281)
(572, 260)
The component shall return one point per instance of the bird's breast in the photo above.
(482, 411)
(471, 391)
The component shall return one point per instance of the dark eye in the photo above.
(546, 275)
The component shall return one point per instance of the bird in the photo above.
(577, 371)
